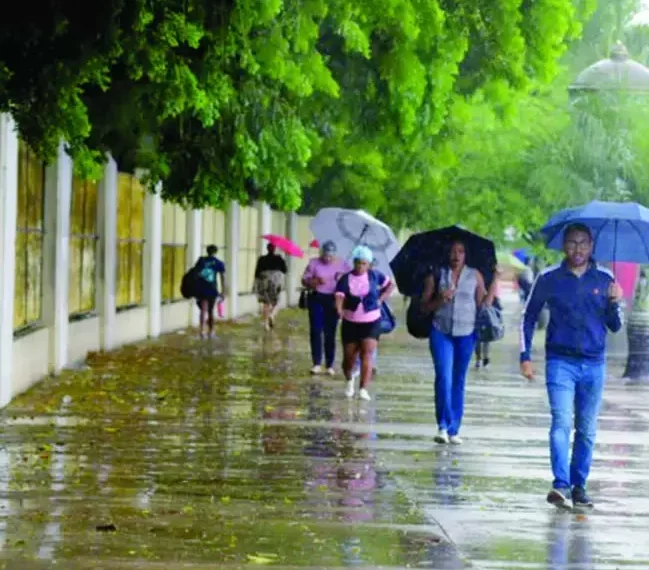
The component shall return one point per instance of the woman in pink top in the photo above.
(321, 276)
(359, 295)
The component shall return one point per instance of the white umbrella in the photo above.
(349, 228)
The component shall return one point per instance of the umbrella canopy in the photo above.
(427, 251)
(349, 228)
(620, 230)
(522, 255)
(510, 259)
(284, 244)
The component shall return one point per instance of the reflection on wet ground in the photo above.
(225, 454)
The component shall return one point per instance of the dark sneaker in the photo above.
(560, 498)
(581, 499)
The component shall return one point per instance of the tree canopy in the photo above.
(553, 152)
(365, 103)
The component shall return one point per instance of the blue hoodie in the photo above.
(580, 313)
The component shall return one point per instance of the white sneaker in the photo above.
(349, 388)
(363, 394)
(356, 374)
(331, 372)
(442, 436)
(455, 440)
(316, 370)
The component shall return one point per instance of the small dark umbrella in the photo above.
(428, 251)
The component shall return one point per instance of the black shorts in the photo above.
(355, 333)
(211, 301)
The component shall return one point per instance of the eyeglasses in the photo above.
(572, 244)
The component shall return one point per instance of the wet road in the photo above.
(225, 454)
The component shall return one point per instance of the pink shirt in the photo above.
(329, 272)
(359, 286)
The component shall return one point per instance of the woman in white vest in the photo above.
(454, 300)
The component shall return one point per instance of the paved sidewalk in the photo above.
(191, 454)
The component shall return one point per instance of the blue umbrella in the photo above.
(620, 230)
(522, 255)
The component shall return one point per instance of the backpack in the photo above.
(388, 320)
(188, 283)
(418, 322)
(489, 324)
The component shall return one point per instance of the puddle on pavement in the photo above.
(185, 452)
(225, 453)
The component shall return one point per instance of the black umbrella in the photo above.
(428, 251)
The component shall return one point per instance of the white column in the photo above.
(8, 213)
(194, 251)
(153, 261)
(232, 260)
(107, 258)
(56, 249)
(292, 280)
(264, 217)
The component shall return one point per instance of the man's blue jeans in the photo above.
(451, 356)
(574, 386)
(323, 322)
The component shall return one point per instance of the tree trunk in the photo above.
(637, 364)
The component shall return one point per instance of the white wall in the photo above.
(26, 359)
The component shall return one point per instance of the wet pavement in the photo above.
(193, 454)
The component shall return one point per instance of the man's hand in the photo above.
(615, 292)
(527, 370)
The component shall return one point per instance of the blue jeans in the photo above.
(323, 321)
(452, 356)
(573, 386)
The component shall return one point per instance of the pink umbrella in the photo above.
(285, 244)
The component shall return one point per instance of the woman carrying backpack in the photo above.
(359, 295)
(454, 301)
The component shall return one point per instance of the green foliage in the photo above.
(515, 165)
(356, 103)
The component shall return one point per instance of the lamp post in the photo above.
(610, 79)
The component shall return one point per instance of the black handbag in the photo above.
(303, 303)
(418, 322)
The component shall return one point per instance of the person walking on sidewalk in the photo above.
(584, 301)
(320, 277)
(359, 295)
(356, 373)
(270, 275)
(454, 299)
(208, 269)
(482, 349)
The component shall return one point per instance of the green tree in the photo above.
(259, 98)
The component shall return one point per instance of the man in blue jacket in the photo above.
(584, 301)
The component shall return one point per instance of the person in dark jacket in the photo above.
(584, 301)
(270, 275)
(209, 268)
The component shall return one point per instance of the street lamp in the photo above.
(616, 75)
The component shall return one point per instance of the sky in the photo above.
(642, 17)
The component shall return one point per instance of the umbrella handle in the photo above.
(360, 237)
